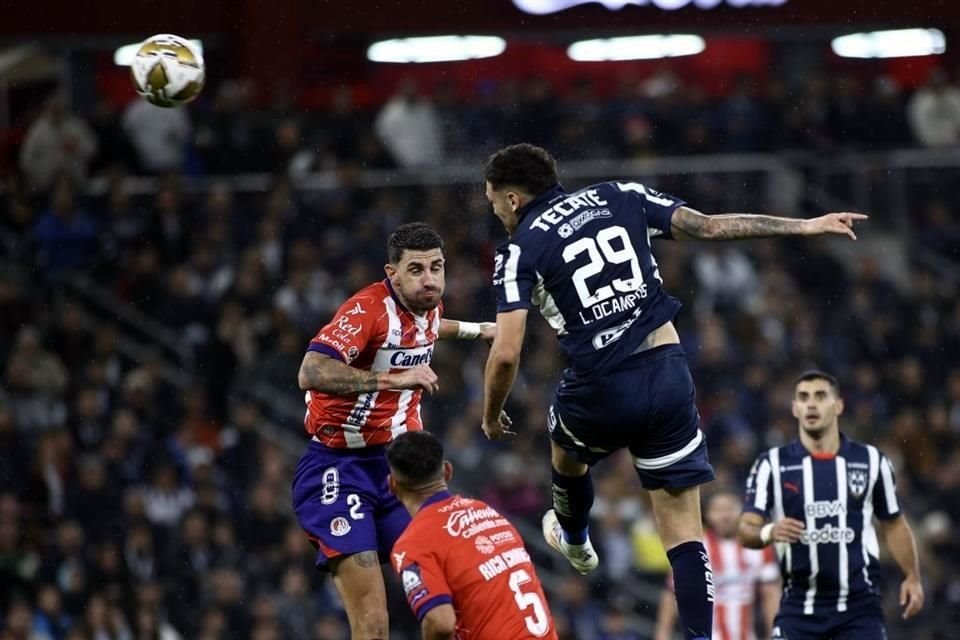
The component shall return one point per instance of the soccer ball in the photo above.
(167, 70)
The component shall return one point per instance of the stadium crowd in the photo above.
(132, 508)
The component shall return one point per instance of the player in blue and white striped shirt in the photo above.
(815, 498)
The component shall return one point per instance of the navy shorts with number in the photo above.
(341, 500)
(645, 405)
(849, 625)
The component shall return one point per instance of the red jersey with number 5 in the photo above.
(371, 331)
(462, 552)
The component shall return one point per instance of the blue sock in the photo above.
(694, 588)
(572, 499)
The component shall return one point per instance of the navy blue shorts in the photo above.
(342, 502)
(646, 405)
(849, 625)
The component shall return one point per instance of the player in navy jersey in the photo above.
(815, 499)
(585, 260)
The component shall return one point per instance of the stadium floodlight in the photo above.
(123, 57)
(436, 49)
(896, 43)
(543, 7)
(650, 47)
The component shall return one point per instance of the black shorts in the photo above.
(848, 625)
(647, 405)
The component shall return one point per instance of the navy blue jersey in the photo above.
(584, 259)
(835, 566)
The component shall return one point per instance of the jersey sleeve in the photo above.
(514, 277)
(885, 503)
(658, 207)
(423, 581)
(759, 494)
(353, 326)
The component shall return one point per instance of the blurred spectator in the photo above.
(57, 143)
(934, 112)
(65, 234)
(305, 299)
(227, 136)
(409, 128)
(295, 606)
(291, 154)
(572, 604)
(123, 221)
(940, 232)
(114, 151)
(166, 499)
(725, 278)
(513, 490)
(32, 368)
(158, 135)
(168, 230)
(50, 622)
(104, 621)
(264, 527)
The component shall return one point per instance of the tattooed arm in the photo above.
(320, 372)
(690, 224)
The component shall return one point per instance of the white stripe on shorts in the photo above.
(670, 458)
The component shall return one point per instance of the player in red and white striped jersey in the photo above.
(372, 331)
(363, 375)
(739, 574)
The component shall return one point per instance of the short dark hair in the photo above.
(417, 236)
(523, 165)
(819, 374)
(416, 457)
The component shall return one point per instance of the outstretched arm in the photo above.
(690, 224)
(320, 372)
(903, 548)
(452, 329)
(501, 371)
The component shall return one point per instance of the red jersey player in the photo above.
(463, 566)
(363, 374)
(738, 575)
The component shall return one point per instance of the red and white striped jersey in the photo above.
(736, 573)
(372, 331)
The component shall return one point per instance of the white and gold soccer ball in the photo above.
(168, 70)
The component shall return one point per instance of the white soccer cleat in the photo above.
(583, 557)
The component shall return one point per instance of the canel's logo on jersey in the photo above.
(411, 358)
(393, 356)
(857, 482)
(543, 7)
